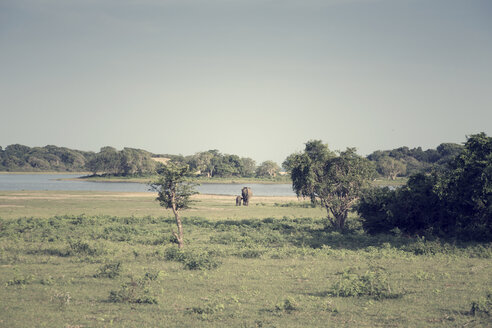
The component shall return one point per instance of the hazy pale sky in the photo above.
(248, 77)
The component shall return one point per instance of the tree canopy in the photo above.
(332, 180)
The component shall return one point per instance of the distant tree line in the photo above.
(212, 163)
(399, 162)
(404, 162)
(19, 158)
(129, 162)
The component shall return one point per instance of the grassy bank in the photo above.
(272, 264)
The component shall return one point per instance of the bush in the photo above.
(454, 202)
(287, 305)
(109, 270)
(80, 247)
(192, 259)
(208, 310)
(20, 280)
(482, 306)
(373, 283)
(134, 291)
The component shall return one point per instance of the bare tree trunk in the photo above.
(179, 235)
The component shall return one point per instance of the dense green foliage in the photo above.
(268, 169)
(128, 161)
(334, 181)
(452, 202)
(173, 186)
(21, 158)
(404, 161)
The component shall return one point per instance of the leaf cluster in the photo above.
(173, 186)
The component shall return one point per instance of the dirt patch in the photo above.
(11, 206)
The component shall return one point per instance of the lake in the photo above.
(12, 182)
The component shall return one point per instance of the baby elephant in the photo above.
(238, 200)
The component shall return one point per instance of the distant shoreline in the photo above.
(86, 176)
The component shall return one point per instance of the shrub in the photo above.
(287, 305)
(81, 247)
(208, 310)
(373, 283)
(199, 261)
(62, 299)
(134, 291)
(249, 253)
(454, 202)
(20, 280)
(482, 306)
(192, 259)
(109, 270)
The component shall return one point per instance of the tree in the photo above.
(334, 181)
(174, 191)
(248, 167)
(468, 188)
(229, 165)
(268, 169)
(390, 167)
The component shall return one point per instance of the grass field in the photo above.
(75, 259)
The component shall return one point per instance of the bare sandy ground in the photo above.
(77, 195)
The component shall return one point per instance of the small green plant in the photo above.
(208, 310)
(373, 283)
(288, 305)
(153, 275)
(80, 247)
(62, 299)
(250, 253)
(20, 280)
(109, 270)
(134, 291)
(47, 281)
(328, 306)
(192, 259)
(482, 306)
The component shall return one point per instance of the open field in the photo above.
(14, 204)
(107, 260)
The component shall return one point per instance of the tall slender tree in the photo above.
(174, 191)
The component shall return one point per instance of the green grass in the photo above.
(235, 271)
(51, 203)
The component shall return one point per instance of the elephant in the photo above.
(247, 194)
(238, 200)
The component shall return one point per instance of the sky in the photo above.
(247, 77)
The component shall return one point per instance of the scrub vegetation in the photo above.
(236, 271)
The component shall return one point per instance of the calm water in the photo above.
(56, 182)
